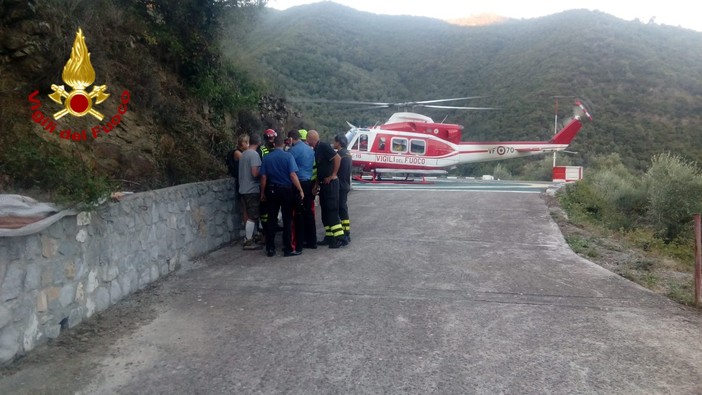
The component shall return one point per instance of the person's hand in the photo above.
(263, 197)
(302, 194)
(315, 190)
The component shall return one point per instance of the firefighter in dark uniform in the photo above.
(328, 162)
(268, 142)
(344, 174)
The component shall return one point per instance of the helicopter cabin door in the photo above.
(411, 146)
(381, 144)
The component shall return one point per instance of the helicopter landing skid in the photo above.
(375, 178)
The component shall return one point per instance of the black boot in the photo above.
(326, 241)
(335, 243)
(338, 242)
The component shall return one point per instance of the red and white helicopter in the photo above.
(411, 143)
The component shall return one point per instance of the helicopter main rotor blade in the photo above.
(366, 108)
(444, 100)
(459, 108)
(384, 104)
(367, 103)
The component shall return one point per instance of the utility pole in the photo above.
(555, 129)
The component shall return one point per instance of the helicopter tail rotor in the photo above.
(581, 111)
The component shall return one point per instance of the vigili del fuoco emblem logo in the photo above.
(79, 75)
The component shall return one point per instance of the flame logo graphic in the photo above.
(78, 73)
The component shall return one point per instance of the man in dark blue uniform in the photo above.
(328, 162)
(281, 190)
(305, 223)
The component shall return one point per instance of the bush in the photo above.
(582, 202)
(675, 194)
(622, 198)
(541, 170)
(610, 195)
(501, 172)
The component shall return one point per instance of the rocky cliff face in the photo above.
(21, 34)
(34, 48)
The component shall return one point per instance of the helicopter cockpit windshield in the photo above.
(350, 135)
(359, 139)
(362, 141)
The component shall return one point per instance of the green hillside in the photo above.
(644, 81)
(200, 72)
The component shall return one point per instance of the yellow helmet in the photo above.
(303, 134)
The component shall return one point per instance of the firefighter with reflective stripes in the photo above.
(344, 174)
(268, 144)
(328, 163)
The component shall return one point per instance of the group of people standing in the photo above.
(283, 176)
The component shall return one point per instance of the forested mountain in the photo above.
(200, 72)
(644, 81)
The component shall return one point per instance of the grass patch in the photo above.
(681, 292)
(581, 245)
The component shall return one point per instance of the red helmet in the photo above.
(270, 133)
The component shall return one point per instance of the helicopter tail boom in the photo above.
(567, 134)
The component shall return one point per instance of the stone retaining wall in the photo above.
(82, 264)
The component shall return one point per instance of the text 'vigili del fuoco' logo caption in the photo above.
(79, 75)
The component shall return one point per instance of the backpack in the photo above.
(232, 165)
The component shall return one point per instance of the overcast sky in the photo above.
(683, 13)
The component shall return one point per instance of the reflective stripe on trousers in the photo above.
(337, 230)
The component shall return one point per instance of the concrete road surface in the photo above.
(441, 291)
